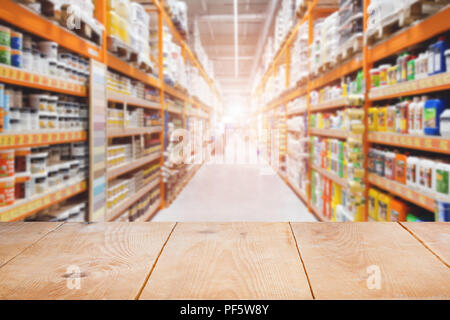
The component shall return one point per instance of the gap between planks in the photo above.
(155, 263)
(422, 242)
(301, 260)
(32, 244)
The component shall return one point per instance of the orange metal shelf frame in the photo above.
(14, 76)
(434, 83)
(428, 28)
(33, 23)
(425, 143)
(403, 191)
(351, 66)
(284, 49)
(124, 67)
(19, 140)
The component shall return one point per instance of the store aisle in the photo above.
(236, 193)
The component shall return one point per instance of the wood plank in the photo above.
(15, 237)
(229, 261)
(434, 235)
(337, 258)
(114, 260)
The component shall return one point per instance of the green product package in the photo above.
(442, 181)
(429, 117)
(5, 38)
(5, 56)
(411, 69)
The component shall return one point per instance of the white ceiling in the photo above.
(215, 20)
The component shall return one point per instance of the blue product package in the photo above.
(6, 121)
(442, 212)
(16, 60)
(431, 116)
(442, 216)
(16, 43)
(439, 55)
(6, 102)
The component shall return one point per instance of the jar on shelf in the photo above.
(43, 65)
(53, 176)
(52, 103)
(39, 102)
(49, 49)
(43, 121)
(60, 67)
(14, 113)
(67, 72)
(36, 66)
(84, 112)
(18, 99)
(54, 155)
(38, 163)
(64, 171)
(40, 183)
(34, 120)
(52, 68)
(60, 107)
(27, 59)
(52, 121)
(76, 109)
(74, 166)
(16, 59)
(15, 125)
(25, 118)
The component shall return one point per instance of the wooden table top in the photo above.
(225, 261)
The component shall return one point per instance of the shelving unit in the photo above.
(22, 209)
(26, 140)
(120, 208)
(417, 197)
(25, 19)
(22, 18)
(364, 60)
(14, 76)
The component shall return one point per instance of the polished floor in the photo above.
(236, 192)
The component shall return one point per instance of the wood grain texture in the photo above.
(114, 260)
(17, 236)
(337, 257)
(434, 235)
(229, 261)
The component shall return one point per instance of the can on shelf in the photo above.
(6, 163)
(7, 191)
